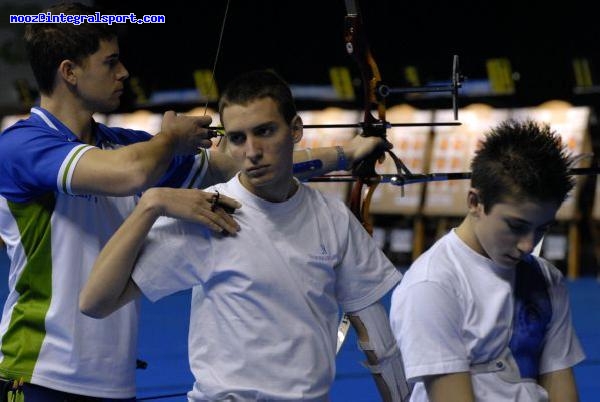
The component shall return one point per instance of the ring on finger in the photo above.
(214, 201)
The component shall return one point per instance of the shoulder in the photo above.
(229, 188)
(29, 140)
(25, 130)
(554, 277)
(433, 288)
(433, 283)
(552, 274)
(436, 265)
(334, 206)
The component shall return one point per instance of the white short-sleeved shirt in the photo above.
(454, 309)
(265, 302)
(53, 238)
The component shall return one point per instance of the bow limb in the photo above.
(364, 171)
(357, 47)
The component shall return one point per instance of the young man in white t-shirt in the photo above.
(478, 317)
(265, 300)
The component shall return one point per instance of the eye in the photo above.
(543, 229)
(236, 138)
(113, 62)
(265, 131)
(517, 228)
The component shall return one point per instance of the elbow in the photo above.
(137, 180)
(133, 177)
(90, 308)
(122, 183)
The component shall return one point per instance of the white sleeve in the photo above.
(365, 274)
(172, 258)
(427, 323)
(561, 345)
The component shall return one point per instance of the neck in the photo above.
(71, 113)
(466, 232)
(273, 193)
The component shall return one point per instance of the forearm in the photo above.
(149, 160)
(383, 356)
(134, 168)
(124, 171)
(560, 386)
(222, 167)
(341, 157)
(452, 387)
(108, 285)
(329, 157)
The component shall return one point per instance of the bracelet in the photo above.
(308, 154)
(342, 162)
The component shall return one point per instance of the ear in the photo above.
(474, 202)
(297, 129)
(66, 71)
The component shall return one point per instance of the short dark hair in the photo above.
(48, 44)
(521, 160)
(259, 84)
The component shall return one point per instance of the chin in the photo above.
(107, 107)
(260, 182)
(254, 181)
(507, 263)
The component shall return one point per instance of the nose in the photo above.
(122, 74)
(527, 242)
(253, 149)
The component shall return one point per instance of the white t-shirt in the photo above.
(454, 308)
(265, 302)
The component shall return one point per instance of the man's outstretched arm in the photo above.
(110, 285)
(222, 167)
(133, 168)
(376, 340)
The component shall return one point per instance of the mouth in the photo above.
(257, 170)
(515, 260)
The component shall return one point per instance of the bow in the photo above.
(374, 94)
(364, 172)
(358, 47)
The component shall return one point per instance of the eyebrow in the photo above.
(253, 129)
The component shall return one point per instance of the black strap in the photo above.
(5, 386)
(9, 390)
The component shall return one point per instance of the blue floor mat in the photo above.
(163, 345)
